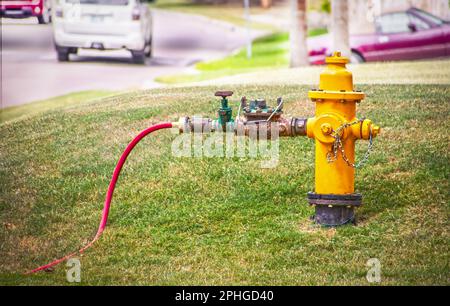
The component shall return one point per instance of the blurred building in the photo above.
(362, 12)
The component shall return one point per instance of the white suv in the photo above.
(102, 25)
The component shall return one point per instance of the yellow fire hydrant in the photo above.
(335, 129)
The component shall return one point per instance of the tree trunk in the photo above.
(266, 4)
(339, 27)
(297, 35)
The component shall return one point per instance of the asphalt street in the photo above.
(30, 71)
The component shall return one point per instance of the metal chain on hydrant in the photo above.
(337, 146)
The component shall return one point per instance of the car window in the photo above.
(419, 23)
(428, 16)
(99, 2)
(392, 23)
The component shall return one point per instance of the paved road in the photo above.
(30, 71)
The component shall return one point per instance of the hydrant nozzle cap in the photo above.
(375, 130)
(337, 58)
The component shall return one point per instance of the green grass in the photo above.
(191, 221)
(15, 112)
(269, 52)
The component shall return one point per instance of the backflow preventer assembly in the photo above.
(334, 129)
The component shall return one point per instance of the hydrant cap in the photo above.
(336, 58)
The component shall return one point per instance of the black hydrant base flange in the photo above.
(334, 209)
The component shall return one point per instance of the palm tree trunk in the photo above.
(298, 33)
(266, 4)
(339, 27)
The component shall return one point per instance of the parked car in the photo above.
(27, 8)
(102, 25)
(407, 35)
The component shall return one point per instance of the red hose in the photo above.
(109, 194)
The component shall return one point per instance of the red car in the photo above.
(408, 35)
(27, 8)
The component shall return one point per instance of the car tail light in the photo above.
(59, 13)
(136, 15)
(321, 51)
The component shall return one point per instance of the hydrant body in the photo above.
(335, 129)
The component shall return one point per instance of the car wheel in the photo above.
(73, 50)
(356, 58)
(149, 48)
(46, 16)
(138, 57)
(63, 54)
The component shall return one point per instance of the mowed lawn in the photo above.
(219, 221)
